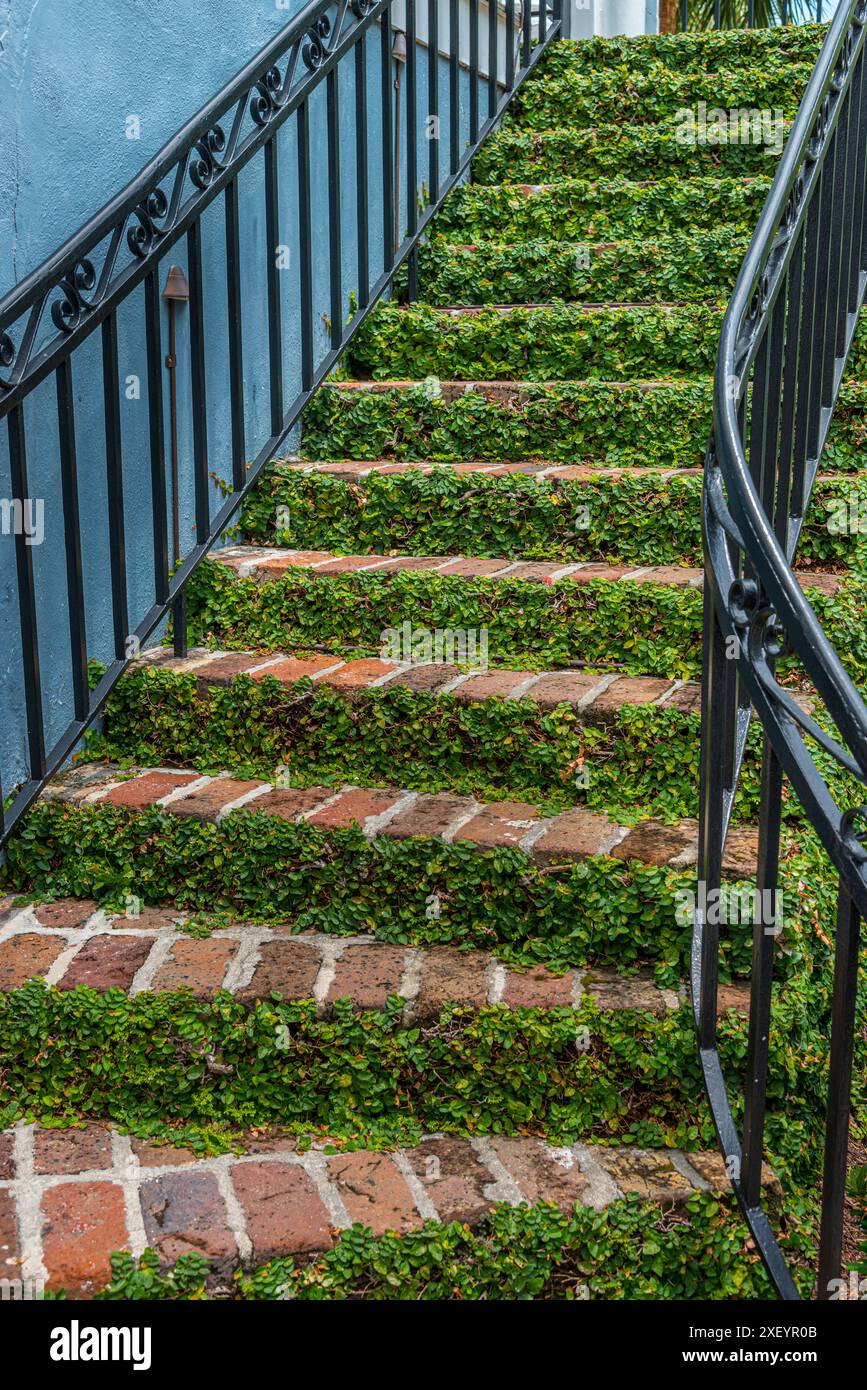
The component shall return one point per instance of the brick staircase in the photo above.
(490, 866)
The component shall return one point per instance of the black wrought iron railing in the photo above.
(473, 64)
(781, 359)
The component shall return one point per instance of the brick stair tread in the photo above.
(597, 695)
(72, 941)
(69, 1198)
(266, 562)
(544, 469)
(400, 814)
(358, 469)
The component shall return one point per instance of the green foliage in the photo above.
(593, 911)
(642, 151)
(642, 760)
(567, 422)
(551, 342)
(493, 749)
(648, 519)
(203, 1072)
(622, 424)
(679, 266)
(619, 93)
(726, 49)
(630, 1250)
(615, 209)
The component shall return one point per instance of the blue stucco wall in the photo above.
(72, 72)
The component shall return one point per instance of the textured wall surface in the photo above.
(77, 78)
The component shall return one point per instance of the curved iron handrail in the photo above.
(782, 352)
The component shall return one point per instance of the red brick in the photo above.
(500, 823)
(535, 571)
(542, 1175)
(7, 1147)
(631, 690)
(450, 976)
(286, 967)
(735, 996)
(349, 564)
(403, 563)
(453, 1177)
(654, 842)
(82, 1224)
(10, 1248)
(472, 568)
(269, 1142)
(287, 802)
(432, 677)
(490, 685)
(405, 466)
(741, 852)
(575, 835)
(185, 1212)
(651, 1174)
(358, 674)
(824, 583)
(677, 575)
(294, 668)
(199, 965)
(537, 988)
(284, 1213)
(149, 787)
(613, 991)
(297, 559)
(107, 962)
(153, 1155)
(208, 801)
(27, 955)
(148, 919)
(368, 974)
(588, 574)
(65, 912)
(354, 807)
(429, 816)
(563, 688)
(686, 698)
(224, 670)
(72, 1150)
(374, 1192)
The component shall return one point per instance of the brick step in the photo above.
(526, 511)
(541, 615)
(683, 266)
(705, 51)
(597, 696)
(575, 99)
(647, 422)
(608, 150)
(265, 563)
(568, 342)
(606, 209)
(70, 1198)
(546, 342)
(399, 814)
(71, 942)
